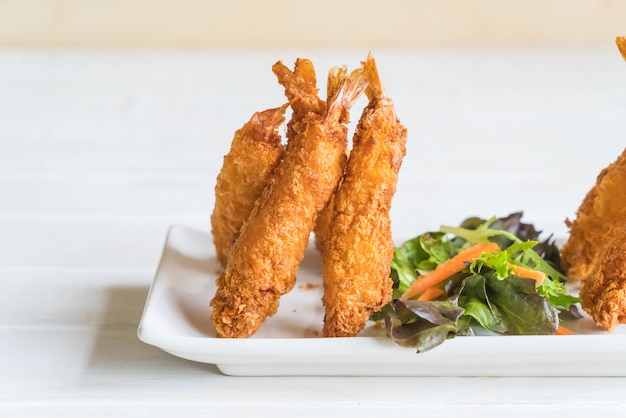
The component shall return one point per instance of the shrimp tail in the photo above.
(343, 99)
(265, 124)
(336, 77)
(375, 90)
(301, 82)
(301, 90)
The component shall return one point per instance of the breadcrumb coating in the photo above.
(604, 291)
(359, 248)
(264, 259)
(255, 151)
(600, 217)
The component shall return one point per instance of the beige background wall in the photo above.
(249, 23)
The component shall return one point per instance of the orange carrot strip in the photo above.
(431, 293)
(447, 269)
(561, 330)
(536, 275)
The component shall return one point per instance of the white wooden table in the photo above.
(100, 151)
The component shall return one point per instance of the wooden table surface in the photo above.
(102, 150)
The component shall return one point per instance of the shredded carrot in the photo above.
(536, 275)
(431, 293)
(447, 269)
(561, 330)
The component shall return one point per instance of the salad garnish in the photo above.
(485, 276)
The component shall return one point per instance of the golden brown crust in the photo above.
(336, 77)
(600, 217)
(604, 292)
(603, 295)
(255, 152)
(621, 45)
(271, 244)
(359, 248)
(322, 223)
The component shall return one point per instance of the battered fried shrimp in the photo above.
(336, 76)
(600, 217)
(264, 259)
(254, 153)
(621, 45)
(596, 250)
(301, 91)
(358, 252)
(603, 293)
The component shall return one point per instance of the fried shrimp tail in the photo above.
(254, 153)
(621, 45)
(301, 91)
(336, 77)
(358, 251)
(264, 259)
(600, 217)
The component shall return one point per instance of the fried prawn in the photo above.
(358, 251)
(271, 244)
(621, 45)
(596, 250)
(301, 91)
(254, 153)
(600, 217)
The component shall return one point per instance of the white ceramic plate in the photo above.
(176, 319)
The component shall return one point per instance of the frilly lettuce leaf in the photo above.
(521, 252)
(510, 306)
(424, 325)
(486, 294)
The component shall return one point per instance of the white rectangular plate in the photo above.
(176, 319)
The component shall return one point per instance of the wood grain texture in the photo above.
(281, 23)
(100, 151)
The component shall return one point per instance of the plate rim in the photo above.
(273, 352)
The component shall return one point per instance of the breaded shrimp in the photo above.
(302, 92)
(601, 216)
(263, 262)
(621, 45)
(599, 245)
(358, 251)
(254, 153)
(336, 76)
(603, 293)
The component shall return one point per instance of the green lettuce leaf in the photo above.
(520, 251)
(419, 256)
(510, 306)
(485, 295)
(474, 300)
